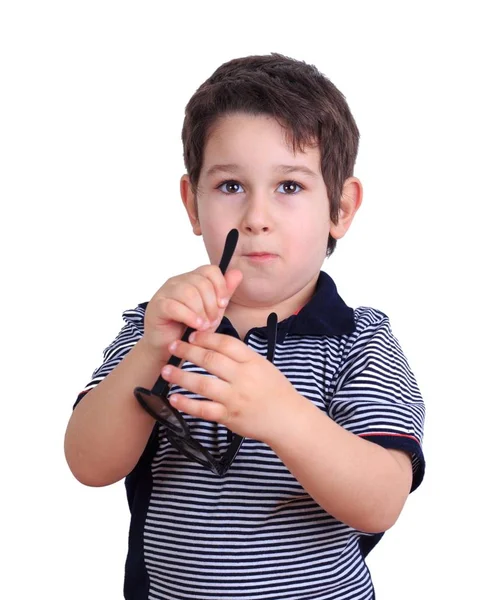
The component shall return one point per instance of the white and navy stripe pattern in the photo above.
(255, 533)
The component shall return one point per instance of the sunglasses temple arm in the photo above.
(161, 387)
(273, 330)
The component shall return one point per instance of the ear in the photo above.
(351, 198)
(190, 203)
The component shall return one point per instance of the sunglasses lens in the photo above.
(160, 409)
(191, 449)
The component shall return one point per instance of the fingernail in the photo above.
(223, 302)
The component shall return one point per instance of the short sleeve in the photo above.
(126, 339)
(376, 395)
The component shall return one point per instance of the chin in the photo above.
(258, 290)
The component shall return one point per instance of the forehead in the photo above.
(254, 141)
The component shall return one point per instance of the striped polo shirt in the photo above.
(255, 533)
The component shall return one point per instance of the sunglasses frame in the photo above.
(177, 430)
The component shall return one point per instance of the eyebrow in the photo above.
(233, 168)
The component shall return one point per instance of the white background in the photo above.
(92, 102)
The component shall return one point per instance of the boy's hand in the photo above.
(195, 299)
(250, 395)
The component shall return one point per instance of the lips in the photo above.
(260, 257)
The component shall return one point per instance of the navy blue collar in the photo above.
(325, 313)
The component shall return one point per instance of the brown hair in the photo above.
(308, 105)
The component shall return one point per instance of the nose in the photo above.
(257, 217)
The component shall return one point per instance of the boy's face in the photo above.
(252, 181)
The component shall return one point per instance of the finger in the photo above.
(194, 294)
(214, 274)
(177, 311)
(223, 344)
(207, 386)
(201, 409)
(213, 362)
(210, 296)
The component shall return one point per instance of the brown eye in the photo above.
(229, 187)
(291, 187)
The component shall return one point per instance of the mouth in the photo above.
(260, 256)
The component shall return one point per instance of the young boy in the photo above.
(332, 426)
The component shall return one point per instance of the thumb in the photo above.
(233, 278)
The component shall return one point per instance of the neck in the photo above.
(244, 317)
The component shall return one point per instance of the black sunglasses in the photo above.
(156, 403)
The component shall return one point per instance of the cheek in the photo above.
(311, 238)
(214, 233)
(311, 228)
